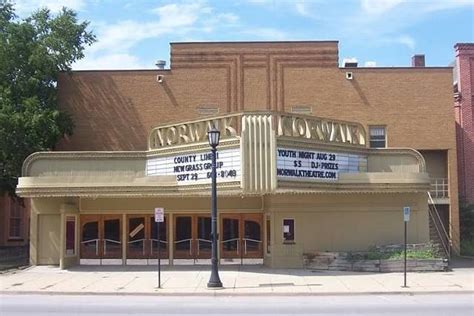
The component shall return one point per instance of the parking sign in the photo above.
(159, 215)
(406, 213)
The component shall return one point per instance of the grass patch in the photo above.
(397, 254)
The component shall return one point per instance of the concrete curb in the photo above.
(219, 293)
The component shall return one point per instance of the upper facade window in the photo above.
(378, 137)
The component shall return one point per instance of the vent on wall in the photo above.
(207, 110)
(302, 109)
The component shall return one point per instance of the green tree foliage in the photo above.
(32, 53)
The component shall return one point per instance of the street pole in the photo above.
(214, 281)
(405, 261)
(159, 253)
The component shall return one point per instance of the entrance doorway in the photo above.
(142, 237)
(101, 237)
(241, 236)
(192, 238)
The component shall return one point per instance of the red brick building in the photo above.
(464, 108)
(14, 220)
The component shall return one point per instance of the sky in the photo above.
(382, 33)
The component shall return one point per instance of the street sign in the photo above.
(406, 214)
(159, 218)
(159, 215)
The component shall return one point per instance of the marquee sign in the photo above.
(196, 168)
(308, 165)
(299, 126)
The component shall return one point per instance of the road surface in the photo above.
(38, 305)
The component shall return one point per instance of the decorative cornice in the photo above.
(401, 151)
(230, 188)
(99, 155)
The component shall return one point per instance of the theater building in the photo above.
(312, 157)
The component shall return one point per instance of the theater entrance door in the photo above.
(241, 236)
(192, 236)
(101, 237)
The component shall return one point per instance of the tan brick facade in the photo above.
(115, 110)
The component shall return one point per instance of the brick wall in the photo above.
(464, 106)
(8, 203)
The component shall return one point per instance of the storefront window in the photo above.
(70, 235)
(288, 230)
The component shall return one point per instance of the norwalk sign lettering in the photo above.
(321, 130)
(191, 132)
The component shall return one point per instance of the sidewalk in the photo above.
(237, 280)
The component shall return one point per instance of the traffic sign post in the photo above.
(159, 218)
(406, 218)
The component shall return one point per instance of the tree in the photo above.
(32, 53)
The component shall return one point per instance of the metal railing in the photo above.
(190, 241)
(117, 242)
(199, 240)
(443, 235)
(96, 241)
(439, 188)
(250, 240)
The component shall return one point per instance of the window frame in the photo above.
(385, 142)
(67, 218)
(15, 220)
(285, 240)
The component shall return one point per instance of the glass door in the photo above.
(183, 238)
(90, 241)
(203, 239)
(162, 241)
(136, 237)
(111, 236)
(230, 241)
(241, 236)
(252, 236)
(101, 237)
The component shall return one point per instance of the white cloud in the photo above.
(177, 15)
(178, 19)
(110, 61)
(379, 6)
(25, 7)
(229, 18)
(436, 5)
(261, 2)
(301, 8)
(185, 19)
(267, 33)
(406, 40)
(370, 64)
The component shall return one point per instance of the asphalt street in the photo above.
(38, 305)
